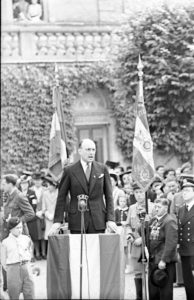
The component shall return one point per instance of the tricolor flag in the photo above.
(143, 170)
(58, 150)
(103, 267)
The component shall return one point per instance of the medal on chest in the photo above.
(155, 231)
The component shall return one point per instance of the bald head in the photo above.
(87, 150)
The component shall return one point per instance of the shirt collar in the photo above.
(13, 236)
(123, 209)
(84, 164)
(161, 217)
(14, 189)
(190, 204)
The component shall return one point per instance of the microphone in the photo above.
(82, 202)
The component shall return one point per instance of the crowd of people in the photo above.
(166, 198)
(29, 201)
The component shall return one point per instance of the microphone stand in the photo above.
(81, 257)
(82, 207)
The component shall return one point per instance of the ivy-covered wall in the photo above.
(26, 109)
(164, 38)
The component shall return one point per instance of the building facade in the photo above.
(72, 32)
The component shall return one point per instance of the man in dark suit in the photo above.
(17, 205)
(90, 178)
(163, 243)
(186, 238)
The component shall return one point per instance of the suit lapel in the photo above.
(162, 219)
(12, 196)
(95, 172)
(78, 172)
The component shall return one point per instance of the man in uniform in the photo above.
(186, 237)
(134, 218)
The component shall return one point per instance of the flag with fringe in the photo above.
(143, 170)
(58, 151)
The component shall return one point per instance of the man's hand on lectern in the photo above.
(54, 229)
(111, 226)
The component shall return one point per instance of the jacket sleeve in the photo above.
(108, 196)
(62, 197)
(171, 240)
(26, 208)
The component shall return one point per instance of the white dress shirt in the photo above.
(85, 165)
(16, 249)
(189, 205)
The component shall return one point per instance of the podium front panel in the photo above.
(102, 272)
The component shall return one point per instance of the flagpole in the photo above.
(141, 101)
(57, 86)
(144, 224)
(56, 76)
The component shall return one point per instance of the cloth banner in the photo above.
(102, 272)
(143, 170)
(58, 151)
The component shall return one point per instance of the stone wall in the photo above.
(96, 12)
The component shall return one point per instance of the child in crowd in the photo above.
(120, 218)
(16, 256)
(116, 191)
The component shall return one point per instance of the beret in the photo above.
(112, 164)
(114, 176)
(49, 179)
(159, 277)
(13, 222)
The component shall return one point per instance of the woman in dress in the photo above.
(48, 204)
(117, 192)
(39, 244)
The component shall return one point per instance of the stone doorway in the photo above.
(92, 120)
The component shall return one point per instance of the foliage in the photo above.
(26, 109)
(164, 39)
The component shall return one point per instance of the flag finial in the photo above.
(140, 68)
(56, 75)
(140, 99)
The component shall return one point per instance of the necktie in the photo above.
(88, 172)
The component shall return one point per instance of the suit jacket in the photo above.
(121, 215)
(17, 205)
(164, 246)
(99, 190)
(186, 231)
